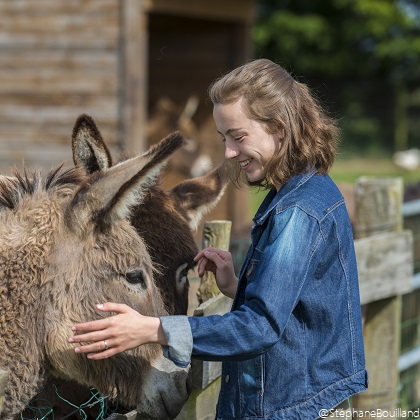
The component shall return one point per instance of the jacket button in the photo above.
(227, 377)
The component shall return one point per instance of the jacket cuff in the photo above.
(178, 334)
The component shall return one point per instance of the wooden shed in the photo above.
(116, 60)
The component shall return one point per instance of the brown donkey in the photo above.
(66, 244)
(165, 220)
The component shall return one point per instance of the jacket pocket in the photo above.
(251, 386)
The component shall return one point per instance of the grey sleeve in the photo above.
(178, 334)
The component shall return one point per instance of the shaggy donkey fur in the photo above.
(165, 220)
(66, 244)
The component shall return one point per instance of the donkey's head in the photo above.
(65, 244)
(164, 219)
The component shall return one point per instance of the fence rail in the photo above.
(409, 359)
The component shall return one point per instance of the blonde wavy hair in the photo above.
(275, 99)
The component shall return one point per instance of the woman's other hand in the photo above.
(220, 263)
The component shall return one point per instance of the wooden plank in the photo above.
(236, 10)
(216, 234)
(378, 209)
(44, 82)
(22, 140)
(50, 24)
(204, 373)
(53, 6)
(28, 60)
(378, 206)
(202, 403)
(219, 304)
(381, 336)
(44, 157)
(385, 265)
(133, 81)
(36, 115)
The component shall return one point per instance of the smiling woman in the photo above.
(296, 315)
(285, 110)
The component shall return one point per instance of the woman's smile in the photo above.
(245, 164)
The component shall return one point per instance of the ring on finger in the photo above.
(106, 346)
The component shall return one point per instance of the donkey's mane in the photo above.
(14, 189)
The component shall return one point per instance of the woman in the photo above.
(292, 346)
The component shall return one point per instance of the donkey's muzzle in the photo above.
(166, 390)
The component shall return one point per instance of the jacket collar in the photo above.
(274, 197)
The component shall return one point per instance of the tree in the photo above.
(342, 39)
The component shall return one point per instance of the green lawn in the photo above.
(349, 170)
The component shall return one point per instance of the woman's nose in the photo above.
(231, 150)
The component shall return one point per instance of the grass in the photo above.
(348, 170)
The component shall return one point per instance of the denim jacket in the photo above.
(292, 344)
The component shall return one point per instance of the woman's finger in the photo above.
(202, 267)
(103, 354)
(98, 350)
(119, 308)
(201, 253)
(100, 345)
(87, 337)
(101, 324)
(97, 325)
(215, 258)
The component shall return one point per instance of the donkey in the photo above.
(65, 244)
(164, 219)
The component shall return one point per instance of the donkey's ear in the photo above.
(108, 195)
(7, 183)
(196, 197)
(89, 150)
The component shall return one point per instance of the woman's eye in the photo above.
(136, 277)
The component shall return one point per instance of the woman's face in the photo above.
(246, 141)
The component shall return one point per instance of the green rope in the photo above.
(39, 410)
(43, 412)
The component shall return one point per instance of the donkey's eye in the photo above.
(136, 277)
(182, 276)
(182, 272)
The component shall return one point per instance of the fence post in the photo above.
(3, 379)
(216, 234)
(378, 210)
(205, 376)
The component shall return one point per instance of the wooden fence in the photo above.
(409, 359)
(384, 254)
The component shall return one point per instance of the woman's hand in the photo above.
(125, 330)
(221, 265)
